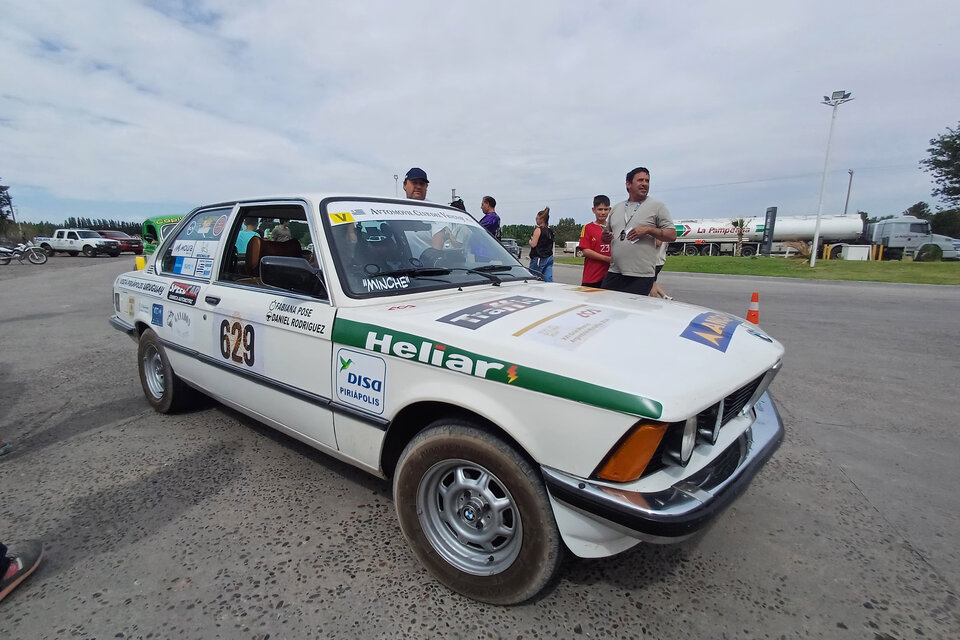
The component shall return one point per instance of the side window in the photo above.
(60, 235)
(192, 251)
(72, 235)
(260, 231)
(918, 227)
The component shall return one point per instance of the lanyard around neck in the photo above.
(626, 220)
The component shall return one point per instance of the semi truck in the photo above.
(718, 236)
(908, 235)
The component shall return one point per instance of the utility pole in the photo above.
(836, 99)
(849, 184)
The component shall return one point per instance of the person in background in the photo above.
(632, 228)
(243, 238)
(490, 220)
(596, 253)
(656, 291)
(281, 232)
(541, 246)
(415, 184)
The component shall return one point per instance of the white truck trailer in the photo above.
(718, 236)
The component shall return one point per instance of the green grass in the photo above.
(891, 271)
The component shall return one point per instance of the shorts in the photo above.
(596, 285)
(628, 284)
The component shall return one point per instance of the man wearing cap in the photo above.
(415, 184)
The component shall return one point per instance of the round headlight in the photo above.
(689, 439)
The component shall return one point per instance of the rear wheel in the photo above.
(476, 514)
(4, 258)
(36, 255)
(163, 389)
(748, 251)
(89, 251)
(691, 250)
(48, 249)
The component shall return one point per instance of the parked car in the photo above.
(75, 241)
(156, 229)
(391, 347)
(511, 246)
(127, 242)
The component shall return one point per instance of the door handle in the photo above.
(214, 300)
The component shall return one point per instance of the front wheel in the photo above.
(163, 389)
(89, 251)
(4, 258)
(476, 514)
(36, 255)
(48, 249)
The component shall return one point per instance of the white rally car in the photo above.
(515, 417)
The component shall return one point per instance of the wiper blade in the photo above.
(494, 267)
(483, 271)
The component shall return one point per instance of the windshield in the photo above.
(391, 248)
(114, 234)
(89, 234)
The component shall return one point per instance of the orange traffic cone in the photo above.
(753, 314)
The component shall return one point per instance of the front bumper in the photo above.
(688, 505)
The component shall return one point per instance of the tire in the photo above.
(73, 254)
(163, 389)
(835, 252)
(4, 259)
(747, 251)
(89, 251)
(691, 250)
(48, 249)
(929, 253)
(36, 255)
(453, 473)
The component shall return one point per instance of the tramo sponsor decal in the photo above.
(484, 313)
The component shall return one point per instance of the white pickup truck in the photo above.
(73, 241)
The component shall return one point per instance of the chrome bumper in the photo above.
(688, 505)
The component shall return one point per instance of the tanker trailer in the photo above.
(718, 236)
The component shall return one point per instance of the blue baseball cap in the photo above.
(416, 173)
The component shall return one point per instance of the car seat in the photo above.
(257, 248)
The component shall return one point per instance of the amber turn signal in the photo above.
(632, 454)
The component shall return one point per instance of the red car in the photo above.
(127, 242)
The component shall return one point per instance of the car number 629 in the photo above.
(237, 342)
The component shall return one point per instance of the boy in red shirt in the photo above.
(596, 254)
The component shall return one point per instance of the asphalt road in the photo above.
(210, 525)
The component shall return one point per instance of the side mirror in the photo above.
(292, 274)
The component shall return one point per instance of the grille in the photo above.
(734, 403)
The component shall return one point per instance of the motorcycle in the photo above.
(35, 255)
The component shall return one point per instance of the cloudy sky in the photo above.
(129, 109)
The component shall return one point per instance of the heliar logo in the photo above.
(434, 354)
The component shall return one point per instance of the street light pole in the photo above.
(396, 186)
(849, 184)
(836, 99)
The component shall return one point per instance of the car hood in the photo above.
(645, 356)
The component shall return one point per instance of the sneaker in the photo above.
(26, 562)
